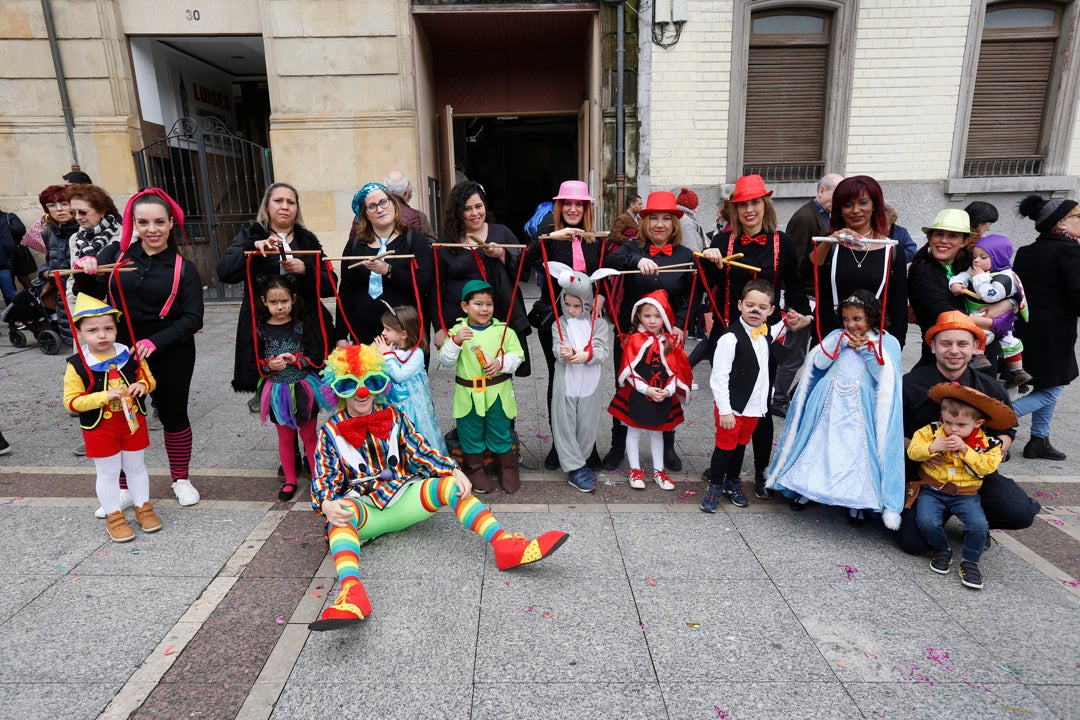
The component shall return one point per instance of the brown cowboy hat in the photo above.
(998, 415)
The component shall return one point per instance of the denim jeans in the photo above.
(1040, 405)
(7, 284)
(930, 509)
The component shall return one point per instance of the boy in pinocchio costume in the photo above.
(485, 357)
(375, 474)
(106, 385)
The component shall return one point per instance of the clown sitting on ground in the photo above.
(374, 474)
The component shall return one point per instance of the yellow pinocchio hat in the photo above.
(89, 306)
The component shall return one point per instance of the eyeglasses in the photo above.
(375, 206)
(57, 206)
(1072, 216)
(80, 213)
(374, 383)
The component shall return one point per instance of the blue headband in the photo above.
(362, 193)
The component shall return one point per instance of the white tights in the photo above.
(656, 447)
(133, 463)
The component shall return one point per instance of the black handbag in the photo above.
(22, 261)
(542, 315)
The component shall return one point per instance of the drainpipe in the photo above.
(61, 82)
(620, 111)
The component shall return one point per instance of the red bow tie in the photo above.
(973, 440)
(355, 429)
(654, 250)
(758, 239)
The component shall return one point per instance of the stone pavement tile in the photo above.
(50, 541)
(51, 700)
(326, 699)
(577, 630)
(196, 700)
(437, 547)
(678, 545)
(1049, 541)
(747, 628)
(192, 543)
(540, 700)
(240, 633)
(1028, 622)
(591, 551)
(18, 590)
(421, 631)
(875, 628)
(294, 549)
(1063, 700)
(945, 701)
(758, 700)
(87, 629)
(825, 544)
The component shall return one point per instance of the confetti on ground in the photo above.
(320, 587)
(223, 520)
(62, 569)
(642, 626)
(1010, 670)
(526, 609)
(1055, 521)
(869, 654)
(280, 619)
(719, 713)
(548, 616)
(135, 551)
(651, 581)
(693, 625)
(316, 594)
(839, 664)
(170, 650)
(687, 495)
(1017, 709)
(100, 554)
(878, 713)
(1070, 583)
(12, 501)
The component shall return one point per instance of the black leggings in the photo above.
(173, 369)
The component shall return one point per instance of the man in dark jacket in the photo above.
(11, 233)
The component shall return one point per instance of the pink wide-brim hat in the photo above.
(574, 190)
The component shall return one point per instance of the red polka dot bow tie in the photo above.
(756, 239)
(355, 429)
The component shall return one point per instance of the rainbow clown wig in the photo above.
(353, 370)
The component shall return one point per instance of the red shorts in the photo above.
(113, 435)
(738, 435)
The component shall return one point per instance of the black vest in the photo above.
(98, 382)
(745, 368)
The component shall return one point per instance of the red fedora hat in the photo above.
(661, 202)
(749, 187)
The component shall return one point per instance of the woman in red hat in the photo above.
(659, 245)
(571, 243)
(753, 232)
(858, 212)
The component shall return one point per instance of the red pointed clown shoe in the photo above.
(352, 606)
(514, 550)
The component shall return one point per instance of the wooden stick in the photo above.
(730, 260)
(599, 234)
(288, 252)
(667, 269)
(474, 246)
(379, 257)
(100, 269)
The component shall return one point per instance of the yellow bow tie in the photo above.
(757, 332)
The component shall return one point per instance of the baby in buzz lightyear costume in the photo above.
(106, 385)
(375, 474)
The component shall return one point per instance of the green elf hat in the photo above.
(474, 286)
(89, 306)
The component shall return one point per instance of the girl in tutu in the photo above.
(289, 355)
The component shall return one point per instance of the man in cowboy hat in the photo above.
(952, 340)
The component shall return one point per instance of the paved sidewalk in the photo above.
(651, 610)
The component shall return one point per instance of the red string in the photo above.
(115, 275)
(438, 292)
(551, 293)
(510, 311)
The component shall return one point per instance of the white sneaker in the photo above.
(125, 503)
(185, 492)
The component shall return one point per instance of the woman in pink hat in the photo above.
(753, 232)
(659, 244)
(569, 244)
(858, 212)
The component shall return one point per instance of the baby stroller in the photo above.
(27, 315)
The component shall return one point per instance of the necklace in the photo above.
(858, 262)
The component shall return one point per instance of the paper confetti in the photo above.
(548, 616)
(1017, 709)
(693, 625)
(12, 501)
(280, 619)
(62, 569)
(719, 713)
(651, 581)
(526, 609)
(170, 650)
(316, 594)
(135, 551)
(320, 587)
(1010, 670)
(1069, 583)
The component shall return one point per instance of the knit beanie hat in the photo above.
(1000, 250)
(1045, 213)
(687, 198)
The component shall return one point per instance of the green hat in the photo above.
(474, 286)
(952, 220)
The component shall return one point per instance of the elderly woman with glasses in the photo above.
(1051, 268)
(375, 474)
(381, 282)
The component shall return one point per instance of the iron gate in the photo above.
(218, 178)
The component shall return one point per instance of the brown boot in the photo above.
(118, 528)
(473, 467)
(147, 518)
(508, 471)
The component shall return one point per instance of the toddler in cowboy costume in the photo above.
(374, 474)
(106, 385)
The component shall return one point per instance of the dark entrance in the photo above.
(218, 178)
(519, 160)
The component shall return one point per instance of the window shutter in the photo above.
(785, 112)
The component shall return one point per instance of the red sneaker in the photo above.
(352, 606)
(514, 550)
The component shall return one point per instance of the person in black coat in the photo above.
(1050, 267)
(279, 223)
(161, 299)
(369, 290)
